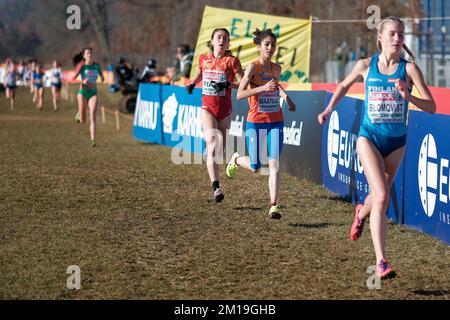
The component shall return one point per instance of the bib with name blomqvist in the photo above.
(385, 110)
(385, 105)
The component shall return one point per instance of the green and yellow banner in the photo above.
(293, 40)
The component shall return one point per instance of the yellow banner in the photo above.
(293, 40)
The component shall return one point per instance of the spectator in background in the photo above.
(362, 52)
(342, 57)
(170, 74)
(124, 70)
(184, 62)
(149, 71)
(115, 86)
(352, 55)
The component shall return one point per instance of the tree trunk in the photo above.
(98, 15)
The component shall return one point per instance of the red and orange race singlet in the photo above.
(265, 106)
(218, 71)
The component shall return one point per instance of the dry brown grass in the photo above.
(141, 227)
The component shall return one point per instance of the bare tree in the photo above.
(98, 15)
(139, 29)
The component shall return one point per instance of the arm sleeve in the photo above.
(78, 70)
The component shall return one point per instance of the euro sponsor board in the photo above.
(342, 171)
(427, 192)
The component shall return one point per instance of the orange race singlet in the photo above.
(265, 106)
(213, 71)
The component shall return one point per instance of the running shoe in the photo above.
(93, 143)
(77, 117)
(218, 195)
(274, 213)
(384, 269)
(358, 224)
(232, 166)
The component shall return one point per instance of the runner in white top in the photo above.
(56, 83)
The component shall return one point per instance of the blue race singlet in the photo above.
(385, 110)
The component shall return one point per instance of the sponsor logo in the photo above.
(293, 134)
(146, 115)
(433, 176)
(169, 111)
(237, 127)
(427, 173)
(341, 148)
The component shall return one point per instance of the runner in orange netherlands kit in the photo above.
(265, 117)
(218, 70)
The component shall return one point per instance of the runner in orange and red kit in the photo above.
(218, 70)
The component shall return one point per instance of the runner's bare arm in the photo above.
(358, 72)
(426, 103)
(244, 93)
(77, 71)
(190, 87)
(290, 102)
(239, 76)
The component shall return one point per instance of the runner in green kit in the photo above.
(87, 96)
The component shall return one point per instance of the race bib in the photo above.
(210, 78)
(91, 75)
(385, 105)
(269, 101)
(56, 77)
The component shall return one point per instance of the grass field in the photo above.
(140, 227)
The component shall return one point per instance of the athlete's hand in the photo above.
(85, 82)
(190, 88)
(402, 87)
(272, 85)
(322, 117)
(218, 86)
(292, 106)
